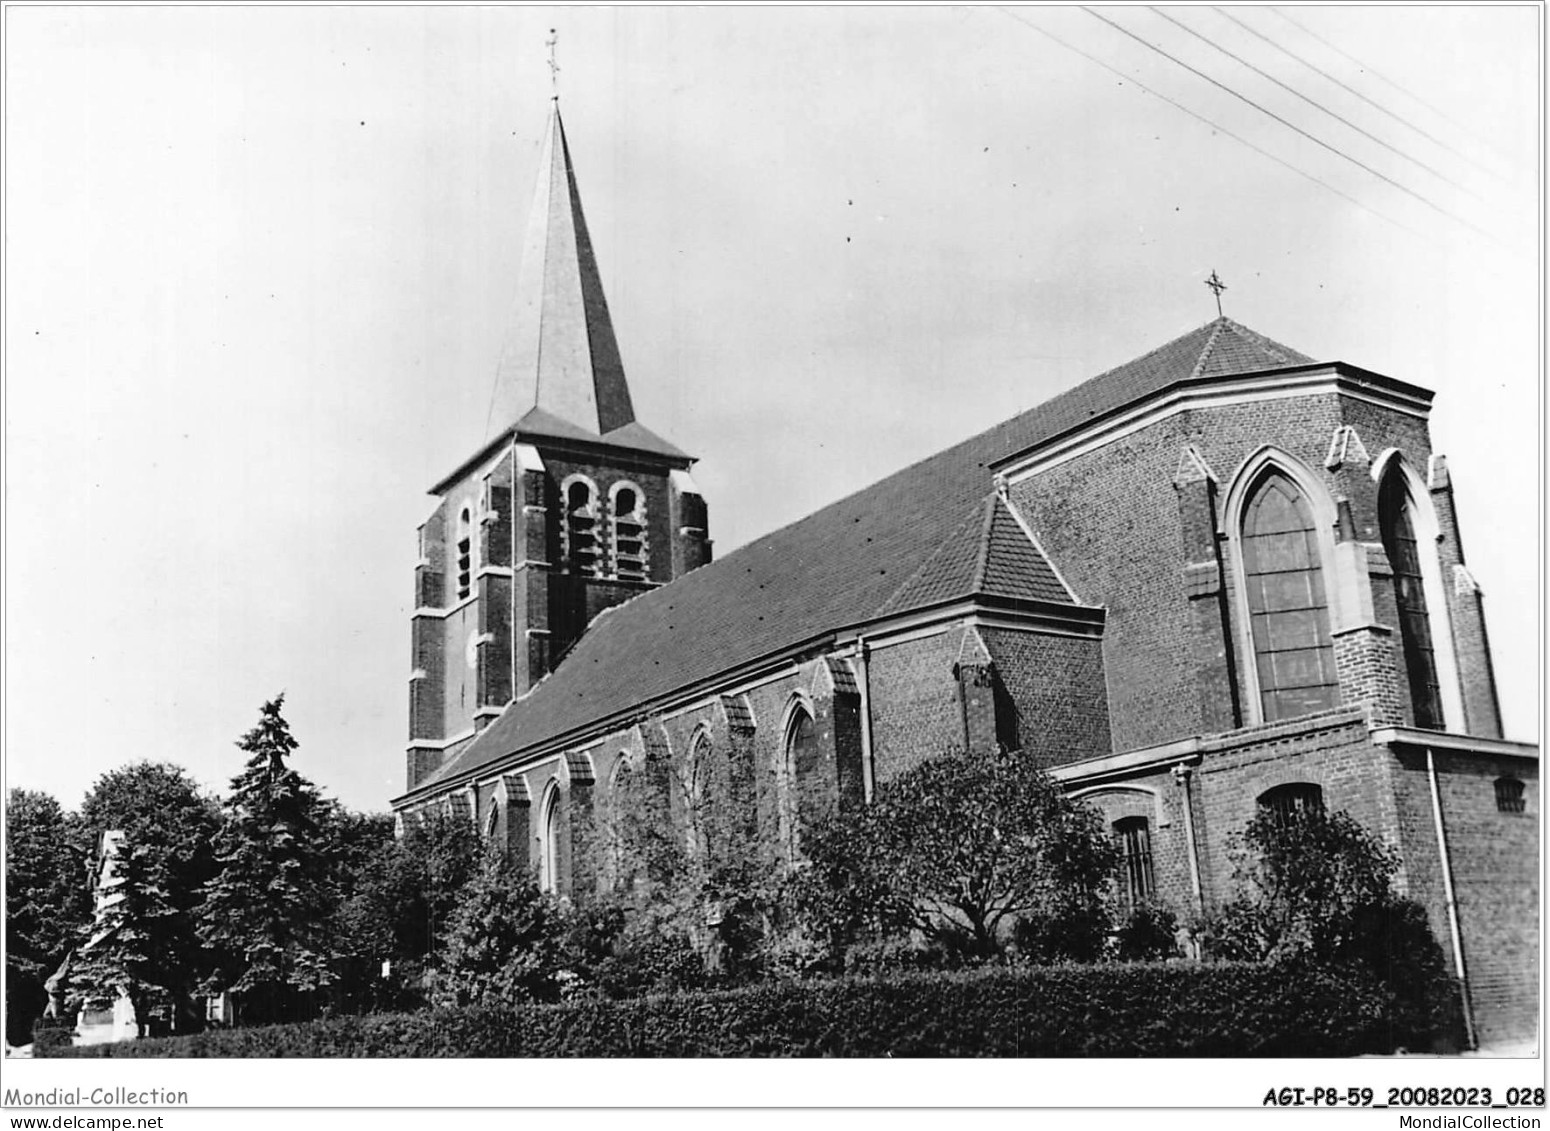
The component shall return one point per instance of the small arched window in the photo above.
(1509, 795)
(1397, 525)
(1134, 838)
(581, 548)
(1288, 611)
(629, 531)
(549, 844)
(1287, 804)
(492, 822)
(465, 553)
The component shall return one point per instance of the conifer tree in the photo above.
(123, 951)
(266, 912)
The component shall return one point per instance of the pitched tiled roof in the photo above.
(927, 533)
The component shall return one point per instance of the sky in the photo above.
(259, 262)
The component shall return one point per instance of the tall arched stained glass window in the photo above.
(1288, 611)
(1396, 522)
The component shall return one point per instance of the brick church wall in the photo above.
(915, 710)
(1494, 857)
(1055, 689)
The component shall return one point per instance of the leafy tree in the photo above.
(47, 902)
(266, 912)
(170, 823)
(124, 950)
(506, 943)
(401, 896)
(958, 849)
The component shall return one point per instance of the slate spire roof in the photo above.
(561, 357)
(930, 534)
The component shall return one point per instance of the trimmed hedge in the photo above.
(1170, 1009)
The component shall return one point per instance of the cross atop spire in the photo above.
(1217, 287)
(554, 67)
(561, 355)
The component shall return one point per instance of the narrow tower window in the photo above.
(1288, 612)
(581, 528)
(1396, 521)
(629, 519)
(465, 554)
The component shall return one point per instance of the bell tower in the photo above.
(572, 508)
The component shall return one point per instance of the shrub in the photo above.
(1147, 933)
(1171, 1009)
(52, 1036)
(1316, 889)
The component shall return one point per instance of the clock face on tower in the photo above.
(471, 650)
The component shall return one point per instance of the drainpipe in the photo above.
(1447, 889)
(863, 652)
(1181, 774)
(963, 706)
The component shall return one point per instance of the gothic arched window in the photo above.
(465, 553)
(697, 796)
(629, 532)
(1288, 611)
(801, 765)
(1397, 524)
(1289, 803)
(1134, 837)
(549, 843)
(581, 548)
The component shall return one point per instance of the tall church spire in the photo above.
(560, 355)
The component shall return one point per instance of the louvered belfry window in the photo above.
(629, 535)
(581, 529)
(465, 554)
(1396, 521)
(1134, 837)
(1288, 611)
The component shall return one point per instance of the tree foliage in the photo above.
(46, 903)
(397, 900)
(506, 942)
(959, 849)
(265, 914)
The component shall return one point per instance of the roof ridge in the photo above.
(982, 559)
(1205, 352)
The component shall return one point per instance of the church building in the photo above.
(1221, 577)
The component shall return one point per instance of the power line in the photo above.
(1316, 105)
(1207, 121)
(1314, 67)
(1416, 97)
(1289, 125)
